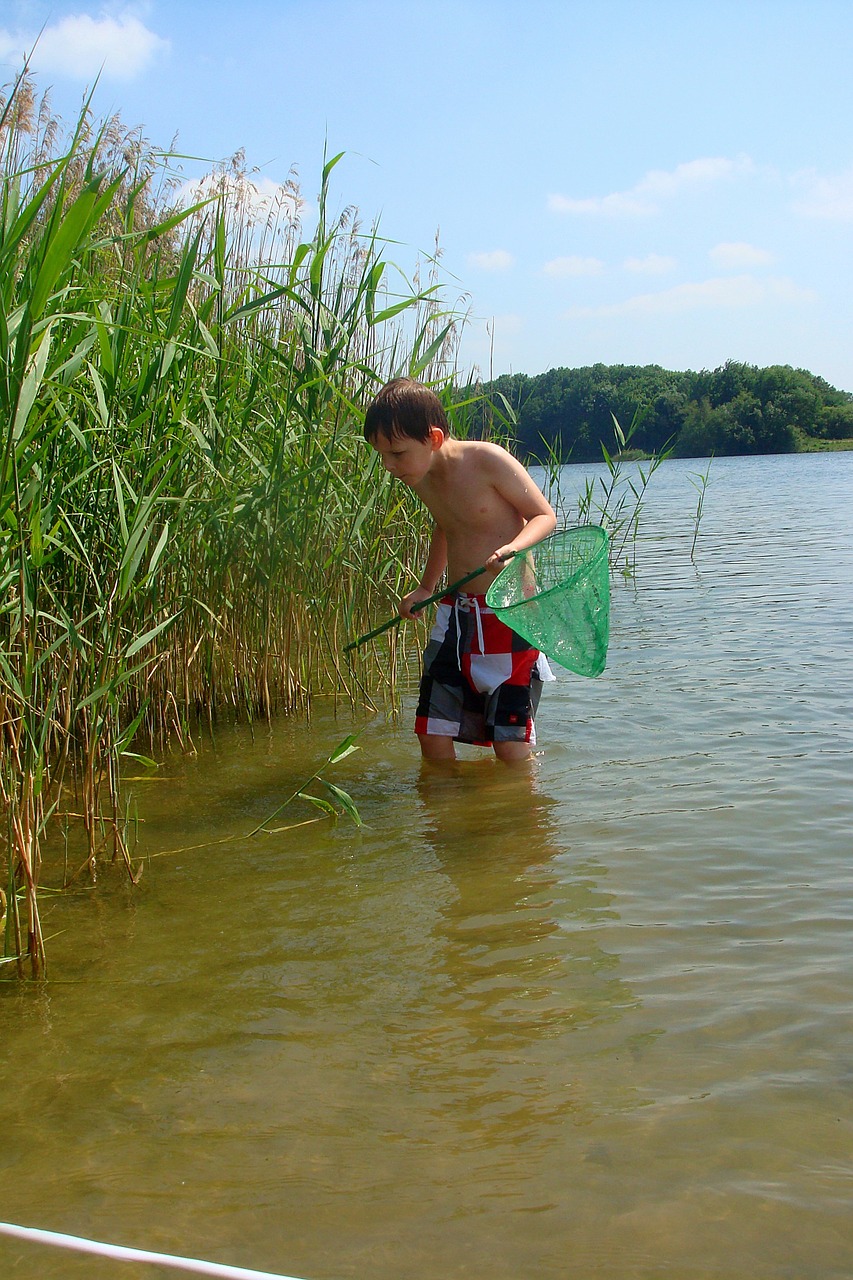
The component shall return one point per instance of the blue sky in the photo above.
(624, 181)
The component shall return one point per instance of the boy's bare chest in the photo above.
(465, 504)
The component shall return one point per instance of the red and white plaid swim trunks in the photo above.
(481, 681)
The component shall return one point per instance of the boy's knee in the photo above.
(436, 747)
(512, 752)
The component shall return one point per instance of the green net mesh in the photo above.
(558, 597)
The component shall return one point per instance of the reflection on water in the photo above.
(515, 973)
(496, 838)
(589, 1020)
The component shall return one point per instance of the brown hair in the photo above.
(405, 408)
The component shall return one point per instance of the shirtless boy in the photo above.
(481, 681)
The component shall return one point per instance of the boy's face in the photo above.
(407, 459)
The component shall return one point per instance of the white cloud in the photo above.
(828, 198)
(82, 47)
(495, 260)
(573, 266)
(261, 197)
(618, 204)
(724, 293)
(657, 185)
(661, 183)
(653, 264)
(737, 255)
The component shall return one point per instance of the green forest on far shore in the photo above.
(565, 415)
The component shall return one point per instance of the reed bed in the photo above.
(190, 524)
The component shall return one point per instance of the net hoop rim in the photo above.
(601, 537)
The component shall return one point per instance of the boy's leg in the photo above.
(512, 703)
(512, 752)
(441, 698)
(436, 747)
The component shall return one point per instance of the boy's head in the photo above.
(405, 408)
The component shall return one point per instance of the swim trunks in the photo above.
(481, 681)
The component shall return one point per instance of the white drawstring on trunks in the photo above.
(463, 604)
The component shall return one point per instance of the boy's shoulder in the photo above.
(483, 451)
(470, 466)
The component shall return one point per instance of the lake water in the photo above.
(593, 1023)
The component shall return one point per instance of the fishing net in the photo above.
(557, 596)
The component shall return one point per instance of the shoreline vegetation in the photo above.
(190, 525)
(737, 409)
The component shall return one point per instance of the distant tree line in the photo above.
(736, 409)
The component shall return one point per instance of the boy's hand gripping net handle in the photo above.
(422, 604)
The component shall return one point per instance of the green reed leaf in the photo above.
(344, 800)
(344, 749)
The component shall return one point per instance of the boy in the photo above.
(481, 681)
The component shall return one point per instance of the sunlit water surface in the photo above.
(593, 1024)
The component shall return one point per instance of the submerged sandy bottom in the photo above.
(591, 1021)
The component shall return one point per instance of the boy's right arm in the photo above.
(434, 568)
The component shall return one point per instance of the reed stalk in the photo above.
(616, 501)
(190, 523)
(700, 481)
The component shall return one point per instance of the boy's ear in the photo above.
(436, 437)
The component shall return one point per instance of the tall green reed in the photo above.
(616, 501)
(700, 481)
(190, 525)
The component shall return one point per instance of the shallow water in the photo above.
(592, 1023)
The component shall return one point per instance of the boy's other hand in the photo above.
(405, 606)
